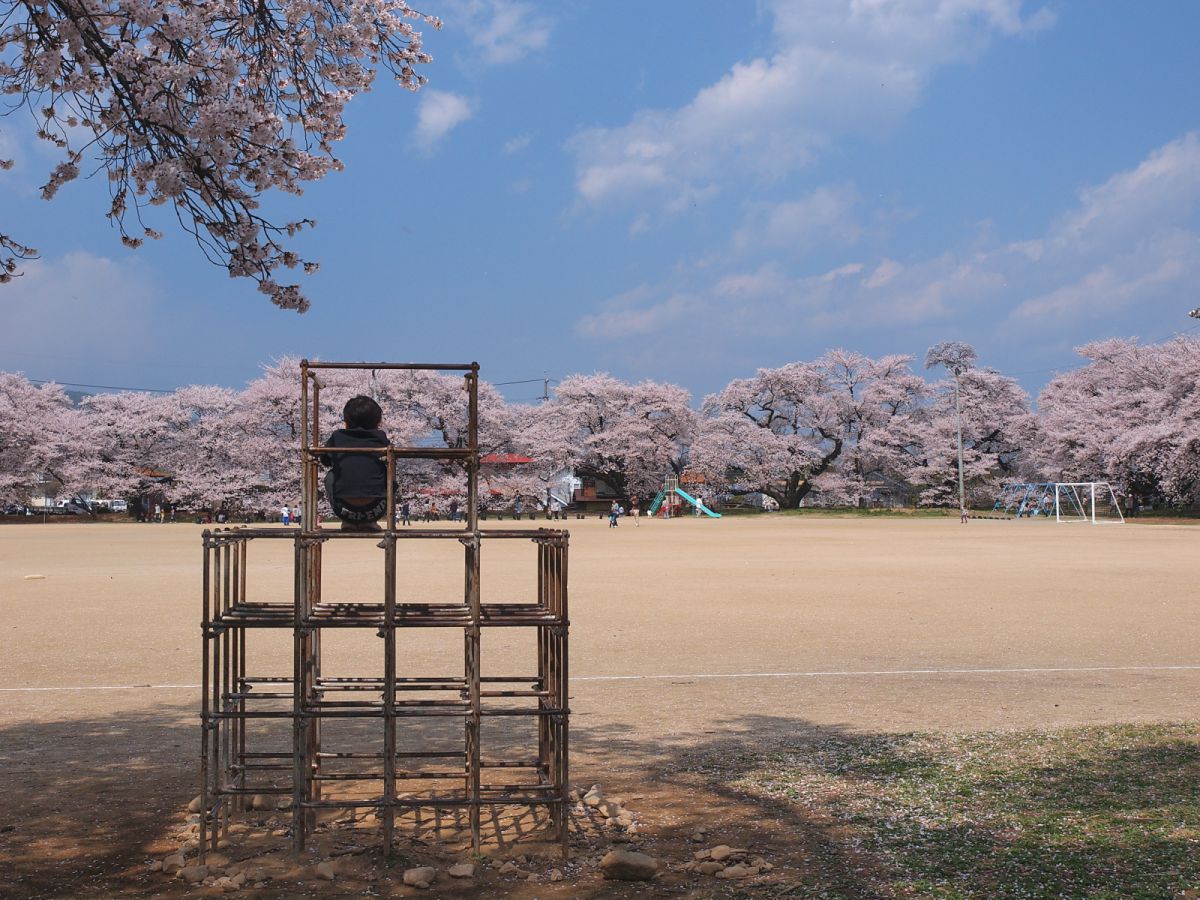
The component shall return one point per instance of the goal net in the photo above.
(1093, 502)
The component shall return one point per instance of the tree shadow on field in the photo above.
(87, 802)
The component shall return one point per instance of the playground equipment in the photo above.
(668, 494)
(384, 756)
(1093, 502)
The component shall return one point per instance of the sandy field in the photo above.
(684, 634)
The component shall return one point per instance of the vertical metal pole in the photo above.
(1093, 486)
(238, 723)
(473, 442)
(473, 666)
(962, 494)
(311, 518)
(304, 446)
(565, 687)
(205, 719)
(226, 690)
(299, 775)
(388, 810)
(391, 488)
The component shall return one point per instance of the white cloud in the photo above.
(635, 313)
(501, 31)
(1159, 266)
(884, 273)
(1165, 187)
(107, 304)
(824, 215)
(438, 113)
(838, 68)
(1130, 243)
(516, 144)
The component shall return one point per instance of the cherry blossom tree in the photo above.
(127, 441)
(1131, 416)
(630, 436)
(38, 435)
(830, 423)
(202, 106)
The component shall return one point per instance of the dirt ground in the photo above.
(685, 636)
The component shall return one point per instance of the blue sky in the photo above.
(686, 191)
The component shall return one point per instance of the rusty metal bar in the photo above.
(443, 367)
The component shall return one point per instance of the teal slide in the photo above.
(696, 503)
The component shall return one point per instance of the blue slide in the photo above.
(696, 503)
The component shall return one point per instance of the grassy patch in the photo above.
(1101, 812)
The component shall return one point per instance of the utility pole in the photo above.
(957, 358)
(962, 494)
(545, 387)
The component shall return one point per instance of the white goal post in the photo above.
(1093, 502)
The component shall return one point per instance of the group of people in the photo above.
(617, 511)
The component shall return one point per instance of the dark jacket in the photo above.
(357, 474)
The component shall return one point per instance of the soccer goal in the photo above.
(1093, 502)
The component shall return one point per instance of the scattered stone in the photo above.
(461, 870)
(628, 865)
(239, 879)
(194, 806)
(625, 820)
(698, 837)
(702, 854)
(508, 868)
(262, 801)
(325, 870)
(279, 832)
(173, 863)
(531, 877)
(217, 860)
(633, 829)
(594, 796)
(751, 870)
(720, 852)
(733, 872)
(420, 877)
(193, 874)
(255, 874)
(155, 865)
(556, 875)
(709, 868)
(283, 803)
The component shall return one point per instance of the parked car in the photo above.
(118, 505)
(16, 509)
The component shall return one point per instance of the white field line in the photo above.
(832, 673)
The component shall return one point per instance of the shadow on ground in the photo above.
(88, 802)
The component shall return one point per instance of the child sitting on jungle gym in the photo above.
(356, 483)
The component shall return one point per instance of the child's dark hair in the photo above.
(362, 412)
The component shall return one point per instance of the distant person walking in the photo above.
(404, 513)
(613, 512)
(636, 512)
(285, 515)
(518, 508)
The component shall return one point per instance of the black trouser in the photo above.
(355, 513)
